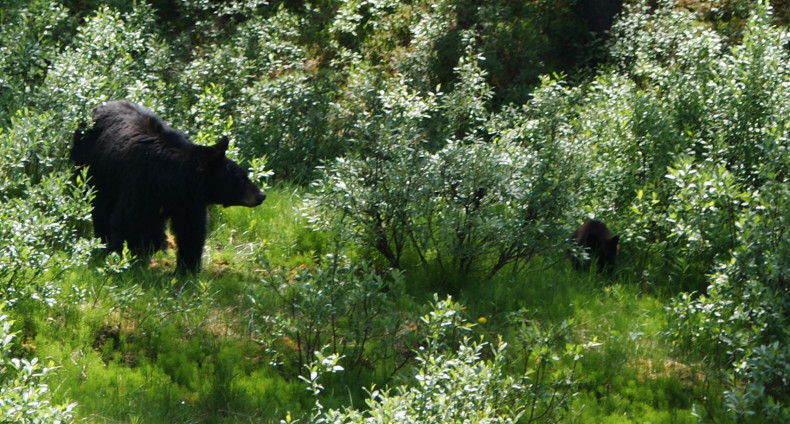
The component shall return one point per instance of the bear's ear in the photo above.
(615, 241)
(216, 153)
(222, 145)
(209, 157)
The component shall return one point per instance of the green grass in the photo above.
(628, 375)
(143, 346)
(272, 234)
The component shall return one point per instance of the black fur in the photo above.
(145, 173)
(599, 243)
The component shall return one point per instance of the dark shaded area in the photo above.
(599, 14)
(523, 40)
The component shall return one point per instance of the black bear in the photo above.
(144, 173)
(598, 242)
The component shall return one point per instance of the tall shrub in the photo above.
(736, 203)
(665, 124)
(476, 193)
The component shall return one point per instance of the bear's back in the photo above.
(592, 228)
(129, 146)
(121, 125)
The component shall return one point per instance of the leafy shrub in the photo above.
(24, 398)
(460, 380)
(200, 21)
(668, 127)
(429, 57)
(44, 115)
(740, 323)
(641, 118)
(347, 307)
(288, 119)
(278, 96)
(425, 39)
(40, 215)
(43, 207)
(525, 40)
(113, 56)
(29, 41)
(442, 192)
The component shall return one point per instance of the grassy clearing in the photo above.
(629, 374)
(144, 346)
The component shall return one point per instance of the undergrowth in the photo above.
(425, 266)
(225, 346)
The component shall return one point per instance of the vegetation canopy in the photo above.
(426, 163)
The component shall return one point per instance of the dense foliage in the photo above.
(418, 147)
(461, 386)
(23, 396)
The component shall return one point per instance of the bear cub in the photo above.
(146, 173)
(599, 244)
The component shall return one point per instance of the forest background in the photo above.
(425, 163)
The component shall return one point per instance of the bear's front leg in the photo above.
(189, 229)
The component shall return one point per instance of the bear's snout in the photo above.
(253, 199)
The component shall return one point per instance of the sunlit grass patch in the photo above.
(273, 234)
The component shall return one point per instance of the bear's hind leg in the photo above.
(143, 231)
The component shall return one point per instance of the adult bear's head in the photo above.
(226, 183)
